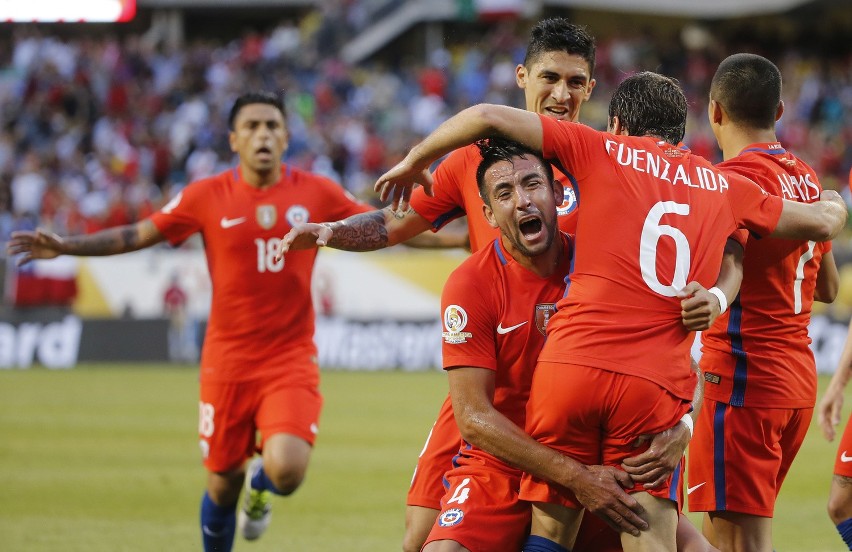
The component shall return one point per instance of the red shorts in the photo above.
(441, 446)
(594, 416)
(739, 457)
(481, 510)
(843, 461)
(231, 414)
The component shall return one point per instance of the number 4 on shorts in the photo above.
(461, 493)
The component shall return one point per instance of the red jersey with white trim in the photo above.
(262, 313)
(495, 315)
(654, 218)
(457, 194)
(757, 354)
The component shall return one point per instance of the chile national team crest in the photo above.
(569, 200)
(450, 517)
(297, 214)
(543, 312)
(266, 215)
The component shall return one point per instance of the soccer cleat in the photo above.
(256, 511)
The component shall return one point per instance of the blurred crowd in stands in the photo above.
(98, 131)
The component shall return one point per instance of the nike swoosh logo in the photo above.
(690, 489)
(501, 330)
(227, 223)
(844, 458)
(211, 533)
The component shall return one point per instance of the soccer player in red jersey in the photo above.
(654, 217)
(258, 366)
(758, 403)
(557, 78)
(828, 415)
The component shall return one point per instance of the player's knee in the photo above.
(839, 510)
(286, 479)
(409, 543)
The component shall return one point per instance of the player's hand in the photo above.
(664, 453)
(39, 244)
(829, 410)
(699, 307)
(832, 195)
(600, 489)
(397, 183)
(305, 235)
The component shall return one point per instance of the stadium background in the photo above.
(101, 123)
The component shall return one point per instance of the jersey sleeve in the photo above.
(752, 207)
(449, 178)
(567, 145)
(339, 203)
(469, 322)
(180, 217)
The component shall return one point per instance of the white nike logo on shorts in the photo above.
(227, 223)
(690, 489)
(844, 458)
(501, 330)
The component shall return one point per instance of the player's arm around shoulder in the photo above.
(820, 221)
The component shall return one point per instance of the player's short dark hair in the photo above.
(748, 86)
(494, 150)
(650, 104)
(256, 97)
(559, 34)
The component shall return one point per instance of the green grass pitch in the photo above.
(105, 458)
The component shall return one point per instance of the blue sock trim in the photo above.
(536, 543)
(260, 482)
(218, 525)
(845, 530)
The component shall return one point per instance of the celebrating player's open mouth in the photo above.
(531, 227)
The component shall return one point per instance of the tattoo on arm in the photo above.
(106, 242)
(362, 232)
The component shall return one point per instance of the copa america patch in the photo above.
(450, 517)
(455, 319)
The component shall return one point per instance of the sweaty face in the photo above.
(259, 137)
(556, 84)
(522, 204)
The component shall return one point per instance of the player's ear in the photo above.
(521, 75)
(716, 112)
(232, 141)
(589, 88)
(779, 111)
(614, 126)
(489, 215)
(558, 192)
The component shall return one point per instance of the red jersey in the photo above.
(757, 353)
(457, 194)
(495, 314)
(261, 314)
(654, 218)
